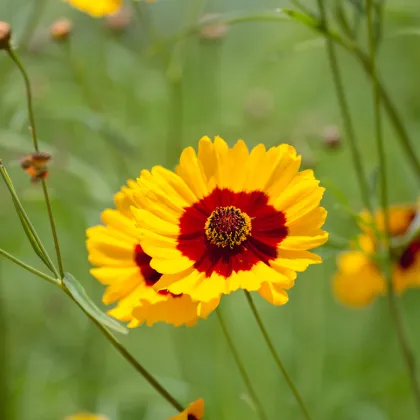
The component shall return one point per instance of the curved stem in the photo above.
(130, 358)
(393, 307)
(31, 118)
(240, 365)
(345, 112)
(276, 356)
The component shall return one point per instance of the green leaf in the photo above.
(78, 293)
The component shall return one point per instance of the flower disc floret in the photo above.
(227, 227)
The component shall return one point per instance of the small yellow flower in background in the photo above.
(230, 219)
(358, 280)
(195, 411)
(86, 416)
(99, 8)
(124, 267)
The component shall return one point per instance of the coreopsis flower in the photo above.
(99, 8)
(230, 219)
(86, 416)
(123, 266)
(358, 280)
(195, 411)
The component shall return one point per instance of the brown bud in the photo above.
(5, 35)
(119, 21)
(213, 30)
(332, 137)
(61, 29)
(36, 165)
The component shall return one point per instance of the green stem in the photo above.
(241, 366)
(276, 357)
(393, 306)
(348, 126)
(29, 268)
(131, 359)
(6, 400)
(31, 118)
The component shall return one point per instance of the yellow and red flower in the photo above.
(195, 411)
(124, 267)
(230, 219)
(358, 280)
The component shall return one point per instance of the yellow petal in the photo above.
(273, 293)
(97, 8)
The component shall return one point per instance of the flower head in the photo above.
(86, 416)
(230, 219)
(195, 411)
(358, 280)
(125, 268)
(5, 35)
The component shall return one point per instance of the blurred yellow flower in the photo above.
(195, 411)
(124, 267)
(86, 416)
(358, 280)
(99, 8)
(230, 219)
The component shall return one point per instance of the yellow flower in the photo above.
(230, 219)
(99, 8)
(86, 416)
(124, 267)
(358, 280)
(195, 411)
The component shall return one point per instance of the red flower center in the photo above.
(216, 232)
(150, 275)
(227, 227)
(409, 255)
(191, 417)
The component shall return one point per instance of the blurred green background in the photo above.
(109, 107)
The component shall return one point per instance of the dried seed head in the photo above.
(61, 29)
(332, 137)
(213, 30)
(5, 35)
(119, 21)
(36, 165)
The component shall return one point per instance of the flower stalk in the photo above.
(276, 357)
(241, 367)
(387, 267)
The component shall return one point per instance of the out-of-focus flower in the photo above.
(259, 104)
(211, 29)
(358, 280)
(119, 21)
(36, 165)
(61, 29)
(99, 8)
(195, 411)
(125, 269)
(5, 35)
(332, 137)
(230, 219)
(86, 416)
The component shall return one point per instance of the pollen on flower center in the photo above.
(227, 227)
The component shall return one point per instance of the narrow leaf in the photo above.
(80, 296)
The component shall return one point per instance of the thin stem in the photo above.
(276, 356)
(341, 96)
(29, 268)
(28, 90)
(31, 118)
(393, 307)
(241, 366)
(6, 400)
(131, 359)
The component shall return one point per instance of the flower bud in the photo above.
(212, 31)
(119, 21)
(61, 29)
(332, 137)
(5, 35)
